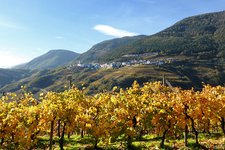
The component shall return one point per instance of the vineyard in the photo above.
(125, 115)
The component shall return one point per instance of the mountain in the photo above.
(96, 80)
(100, 50)
(51, 59)
(195, 46)
(8, 76)
(202, 36)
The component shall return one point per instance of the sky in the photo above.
(30, 28)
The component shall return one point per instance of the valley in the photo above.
(190, 53)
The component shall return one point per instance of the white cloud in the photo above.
(60, 37)
(109, 30)
(9, 59)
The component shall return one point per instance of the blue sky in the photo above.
(29, 28)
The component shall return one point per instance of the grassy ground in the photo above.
(213, 141)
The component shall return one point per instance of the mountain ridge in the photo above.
(190, 35)
(50, 60)
(196, 44)
(104, 47)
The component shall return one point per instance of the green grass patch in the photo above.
(214, 141)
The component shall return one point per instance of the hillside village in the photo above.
(134, 59)
(157, 62)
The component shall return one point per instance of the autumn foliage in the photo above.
(132, 112)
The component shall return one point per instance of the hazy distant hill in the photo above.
(202, 36)
(51, 59)
(12, 75)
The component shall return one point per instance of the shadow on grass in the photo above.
(197, 146)
(215, 135)
(84, 140)
(86, 148)
(142, 139)
(43, 143)
(141, 147)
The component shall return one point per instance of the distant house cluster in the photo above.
(141, 55)
(89, 65)
(156, 62)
